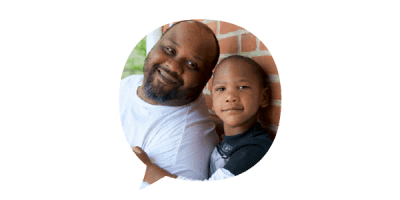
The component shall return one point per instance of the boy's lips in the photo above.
(233, 108)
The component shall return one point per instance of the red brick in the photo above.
(273, 114)
(229, 45)
(165, 27)
(262, 46)
(275, 91)
(226, 27)
(208, 101)
(249, 42)
(199, 20)
(213, 26)
(267, 63)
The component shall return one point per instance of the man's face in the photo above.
(179, 65)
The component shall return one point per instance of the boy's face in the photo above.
(237, 94)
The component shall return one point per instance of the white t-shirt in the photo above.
(179, 139)
(220, 174)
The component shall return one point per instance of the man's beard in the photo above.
(155, 92)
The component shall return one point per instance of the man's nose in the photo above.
(174, 65)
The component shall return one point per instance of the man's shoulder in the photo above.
(199, 109)
(132, 79)
(199, 104)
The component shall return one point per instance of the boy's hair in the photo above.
(256, 68)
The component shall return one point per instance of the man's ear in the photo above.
(264, 101)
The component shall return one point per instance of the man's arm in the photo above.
(153, 172)
(219, 127)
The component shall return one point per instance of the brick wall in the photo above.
(237, 40)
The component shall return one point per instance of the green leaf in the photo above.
(135, 62)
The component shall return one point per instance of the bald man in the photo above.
(163, 111)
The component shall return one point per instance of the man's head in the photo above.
(180, 64)
(238, 91)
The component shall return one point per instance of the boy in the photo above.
(238, 91)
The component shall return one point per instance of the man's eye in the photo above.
(169, 50)
(243, 87)
(220, 89)
(191, 64)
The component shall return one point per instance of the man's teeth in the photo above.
(165, 76)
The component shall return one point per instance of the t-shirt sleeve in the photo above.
(126, 84)
(144, 184)
(195, 149)
(220, 174)
(123, 82)
(245, 158)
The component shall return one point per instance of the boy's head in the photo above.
(238, 91)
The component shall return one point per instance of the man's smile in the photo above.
(166, 78)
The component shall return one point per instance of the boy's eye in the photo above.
(239, 87)
(243, 87)
(220, 89)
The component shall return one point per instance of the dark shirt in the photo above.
(241, 152)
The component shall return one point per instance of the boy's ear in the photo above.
(264, 101)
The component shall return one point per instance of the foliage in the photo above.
(134, 64)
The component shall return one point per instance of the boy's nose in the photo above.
(230, 97)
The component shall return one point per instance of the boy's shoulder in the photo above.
(256, 134)
(256, 137)
(248, 150)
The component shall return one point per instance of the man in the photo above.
(164, 111)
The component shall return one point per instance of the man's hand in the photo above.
(153, 172)
(142, 155)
